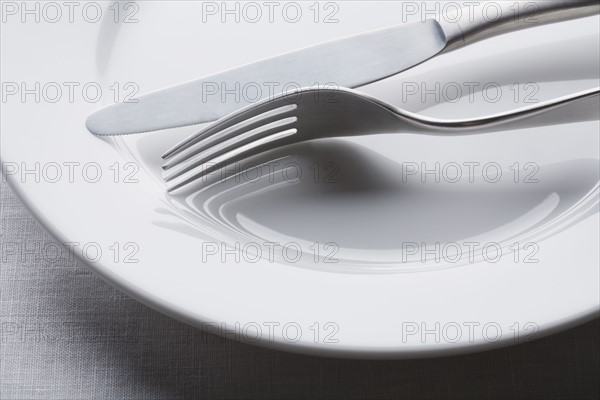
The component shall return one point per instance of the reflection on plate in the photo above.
(371, 214)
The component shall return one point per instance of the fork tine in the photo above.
(221, 161)
(228, 145)
(202, 141)
(250, 112)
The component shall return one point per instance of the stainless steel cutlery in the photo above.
(351, 62)
(319, 113)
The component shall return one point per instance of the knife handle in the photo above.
(466, 26)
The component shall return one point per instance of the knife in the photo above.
(350, 62)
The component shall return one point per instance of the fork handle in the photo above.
(466, 25)
(577, 107)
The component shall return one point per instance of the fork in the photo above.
(325, 112)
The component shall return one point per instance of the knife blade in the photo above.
(349, 62)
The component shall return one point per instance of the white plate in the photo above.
(375, 301)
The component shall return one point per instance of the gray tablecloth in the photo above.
(66, 334)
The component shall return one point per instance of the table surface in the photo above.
(67, 334)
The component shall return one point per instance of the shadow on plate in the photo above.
(371, 207)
